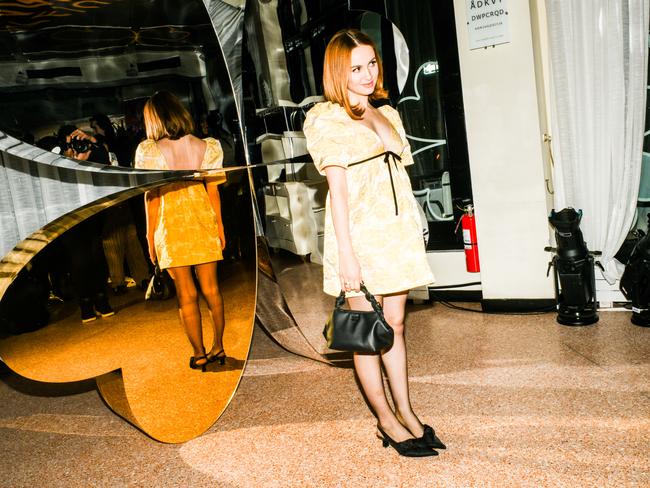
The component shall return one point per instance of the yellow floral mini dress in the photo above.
(384, 220)
(187, 232)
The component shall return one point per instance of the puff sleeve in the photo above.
(214, 160)
(329, 138)
(146, 157)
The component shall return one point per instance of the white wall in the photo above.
(505, 143)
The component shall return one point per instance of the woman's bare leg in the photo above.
(396, 366)
(368, 369)
(207, 274)
(188, 307)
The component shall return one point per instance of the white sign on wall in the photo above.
(487, 21)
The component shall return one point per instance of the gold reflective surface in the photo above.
(139, 356)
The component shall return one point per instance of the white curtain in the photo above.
(599, 51)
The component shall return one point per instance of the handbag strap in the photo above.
(340, 300)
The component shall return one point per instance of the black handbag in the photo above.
(358, 331)
(161, 286)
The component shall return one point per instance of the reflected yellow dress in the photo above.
(385, 226)
(186, 232)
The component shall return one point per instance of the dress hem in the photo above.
(192, 264)
(382, 293)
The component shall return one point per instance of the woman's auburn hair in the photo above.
(336, 70)
(166, 116)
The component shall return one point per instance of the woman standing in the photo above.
(372, 229)
(184, 228)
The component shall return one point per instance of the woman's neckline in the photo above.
(377, 136)
(164, 159)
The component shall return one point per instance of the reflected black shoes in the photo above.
(220, 358)
(201, 366)
(91, 308)
(102, 307)
(87, 310)
(407, 448)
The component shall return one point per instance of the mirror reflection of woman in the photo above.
(372, 225)
(184, 227)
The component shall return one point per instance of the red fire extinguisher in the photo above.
(468, 224)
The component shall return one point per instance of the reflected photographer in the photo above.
(75, 143)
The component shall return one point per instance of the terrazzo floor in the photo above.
(519, 400)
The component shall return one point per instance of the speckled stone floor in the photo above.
(519, 400)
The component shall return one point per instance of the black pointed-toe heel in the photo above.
(193, 361)
(407, 448)
(220, 357)
(430, 438)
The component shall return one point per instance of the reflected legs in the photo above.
(120, 240)
(113, 243)
(207, 275)
(135, 256)
(190, 312)
(88, 268)
(188, 305)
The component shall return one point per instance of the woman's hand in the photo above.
(222, 237)
(151, 206)
(349, 272)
